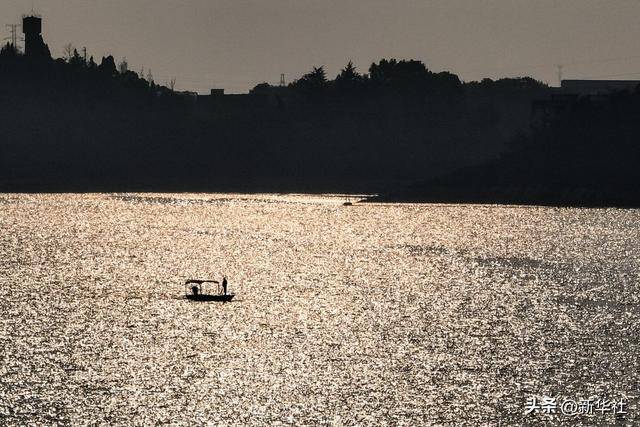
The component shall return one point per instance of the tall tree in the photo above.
(8, 51)
(123, 67)
(313, 82)
(349, 78)
(76, 60)
(67, 51)
(108, 66)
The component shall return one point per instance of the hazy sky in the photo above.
(235, 44)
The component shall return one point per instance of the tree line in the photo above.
(102, 125)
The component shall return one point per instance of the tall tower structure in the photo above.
(34, 45)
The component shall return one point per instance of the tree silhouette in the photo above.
(313, 82)
(382, 72)
(76, 60)
(123, 67)
(8, 51)
(410, 74)
(67, 51)
(262, 88)
(108, 66)
(349, 79)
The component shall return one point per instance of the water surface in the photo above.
(385, 314)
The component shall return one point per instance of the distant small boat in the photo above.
(196, 290)
(347, 203)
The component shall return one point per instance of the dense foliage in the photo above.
(77, 124)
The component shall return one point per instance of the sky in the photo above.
(236, 44)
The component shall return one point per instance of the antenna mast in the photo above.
(14, 34)
(560, 67)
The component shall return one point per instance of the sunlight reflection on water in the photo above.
(400, 314)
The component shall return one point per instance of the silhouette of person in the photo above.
(224, 285)
(195, 290)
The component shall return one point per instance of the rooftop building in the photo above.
(598, 87)
(34, 45)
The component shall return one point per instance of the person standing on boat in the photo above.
(224, 285)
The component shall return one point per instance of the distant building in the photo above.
(598, 87)
(573, 92)
(217, 92)
(34, 45)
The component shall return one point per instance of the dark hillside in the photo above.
(80, 126)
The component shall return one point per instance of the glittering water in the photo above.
(371, 314)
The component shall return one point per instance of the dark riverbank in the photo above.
(76, 126)
(586, 155)
(401, 130)
(576, 198)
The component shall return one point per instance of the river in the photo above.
(371, 314)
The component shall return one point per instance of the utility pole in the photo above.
(282, 82)
(14, 34)
(84, 54)
(559, 75)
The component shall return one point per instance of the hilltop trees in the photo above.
(67, 51)
(102, 126)
(410, 79)
(313, 82)
(123, 67)
(394, 73)
(349, 79)
(76, 60)
(75, 70)
(92, 64)
(108, 66)
(8, 51)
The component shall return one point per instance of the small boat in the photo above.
(200, 290)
